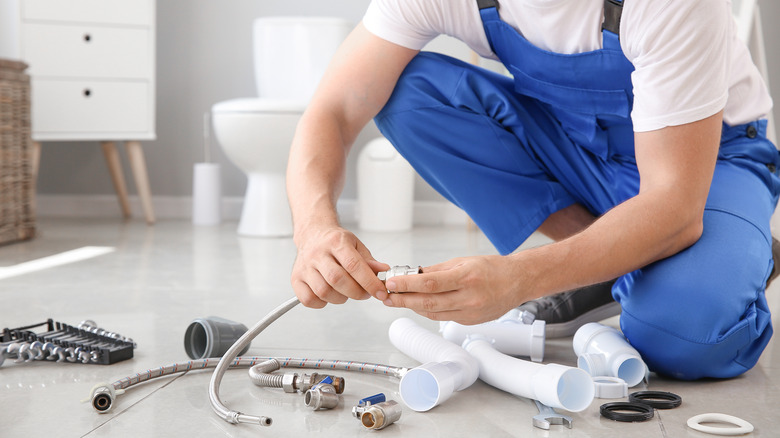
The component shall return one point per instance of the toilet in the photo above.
(290, 56)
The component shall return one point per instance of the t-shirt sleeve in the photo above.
(680, 54)
(408, 23)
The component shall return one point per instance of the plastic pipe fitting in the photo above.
(212, 337)
(381, 415)
(446, 367)
(554, 385)
(510, 335)
(604, 351)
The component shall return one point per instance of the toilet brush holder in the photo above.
(206, 194)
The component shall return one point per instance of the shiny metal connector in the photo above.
(396, 271)
(381, 415)
(322, 396)
(363, 404)
(292, 382)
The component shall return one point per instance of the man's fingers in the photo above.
(360, 273)
(426, 282)
(306, 296)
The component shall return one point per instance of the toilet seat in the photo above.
(255, 105)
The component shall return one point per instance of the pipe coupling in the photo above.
(380, 415)
(322, 396)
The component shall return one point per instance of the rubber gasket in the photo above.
(638, 412)
(656, 399)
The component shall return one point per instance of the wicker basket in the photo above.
(17, 186)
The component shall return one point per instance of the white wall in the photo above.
(204, 56)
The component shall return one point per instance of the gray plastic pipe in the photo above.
(509, 333)
(445, 368)
(555, 385)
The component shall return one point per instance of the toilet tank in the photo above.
(292, 53)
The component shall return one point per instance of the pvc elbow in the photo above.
(509, 335)
(446, 367)
(604, 351)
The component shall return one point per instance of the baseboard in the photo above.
(426, 213)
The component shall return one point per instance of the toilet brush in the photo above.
(206, 184)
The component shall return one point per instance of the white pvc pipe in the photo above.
(555, 385)
(510, 335)
(604, 351)
(446, 367)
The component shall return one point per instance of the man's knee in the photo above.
(668, 351)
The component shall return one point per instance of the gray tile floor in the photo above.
(160, 278)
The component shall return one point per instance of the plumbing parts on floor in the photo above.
(607, 365)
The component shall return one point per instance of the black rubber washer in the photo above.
(656, 399)
(637, 411)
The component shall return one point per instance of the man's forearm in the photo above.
(315, 173)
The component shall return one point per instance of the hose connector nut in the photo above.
(380, 415)
(289, 382)
(396, 271)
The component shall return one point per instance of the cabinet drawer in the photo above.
(62, 106)
(131, 12)
(86, 51)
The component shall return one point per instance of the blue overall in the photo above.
(511, 152)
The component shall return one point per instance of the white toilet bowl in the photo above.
(255, 135)
(291, 54)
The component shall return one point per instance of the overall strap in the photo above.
(484, 4)
(613, 10)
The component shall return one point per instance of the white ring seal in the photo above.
(610, 387)
(742, 428)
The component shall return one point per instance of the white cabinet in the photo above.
(92, 68)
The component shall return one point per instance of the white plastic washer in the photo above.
(610, 387)
(742, 428)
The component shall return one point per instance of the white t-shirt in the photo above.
(689, 63)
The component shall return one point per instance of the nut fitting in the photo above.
(289, 382)
(322, 396)
(381, 415)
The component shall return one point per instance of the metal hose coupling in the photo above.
(380, 415)
(102, 397)
(261, 375)
(397, 271)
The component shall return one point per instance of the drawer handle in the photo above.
(87, 92)
(87, 37)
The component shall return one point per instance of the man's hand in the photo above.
(332, 266)
(468, 290)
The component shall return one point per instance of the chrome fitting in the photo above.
(396, 271)
(363, 404)
(102, 399)
(307, 381)
(381, 415)
(321, 396)
(289, 382)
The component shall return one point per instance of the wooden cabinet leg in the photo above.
(117, 177)
(138, 166)
(35, 159)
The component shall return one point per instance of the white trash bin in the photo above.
(385, 188)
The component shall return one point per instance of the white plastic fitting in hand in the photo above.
(604, 351)
(554, 385)
(510, 335)
(445, 368)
